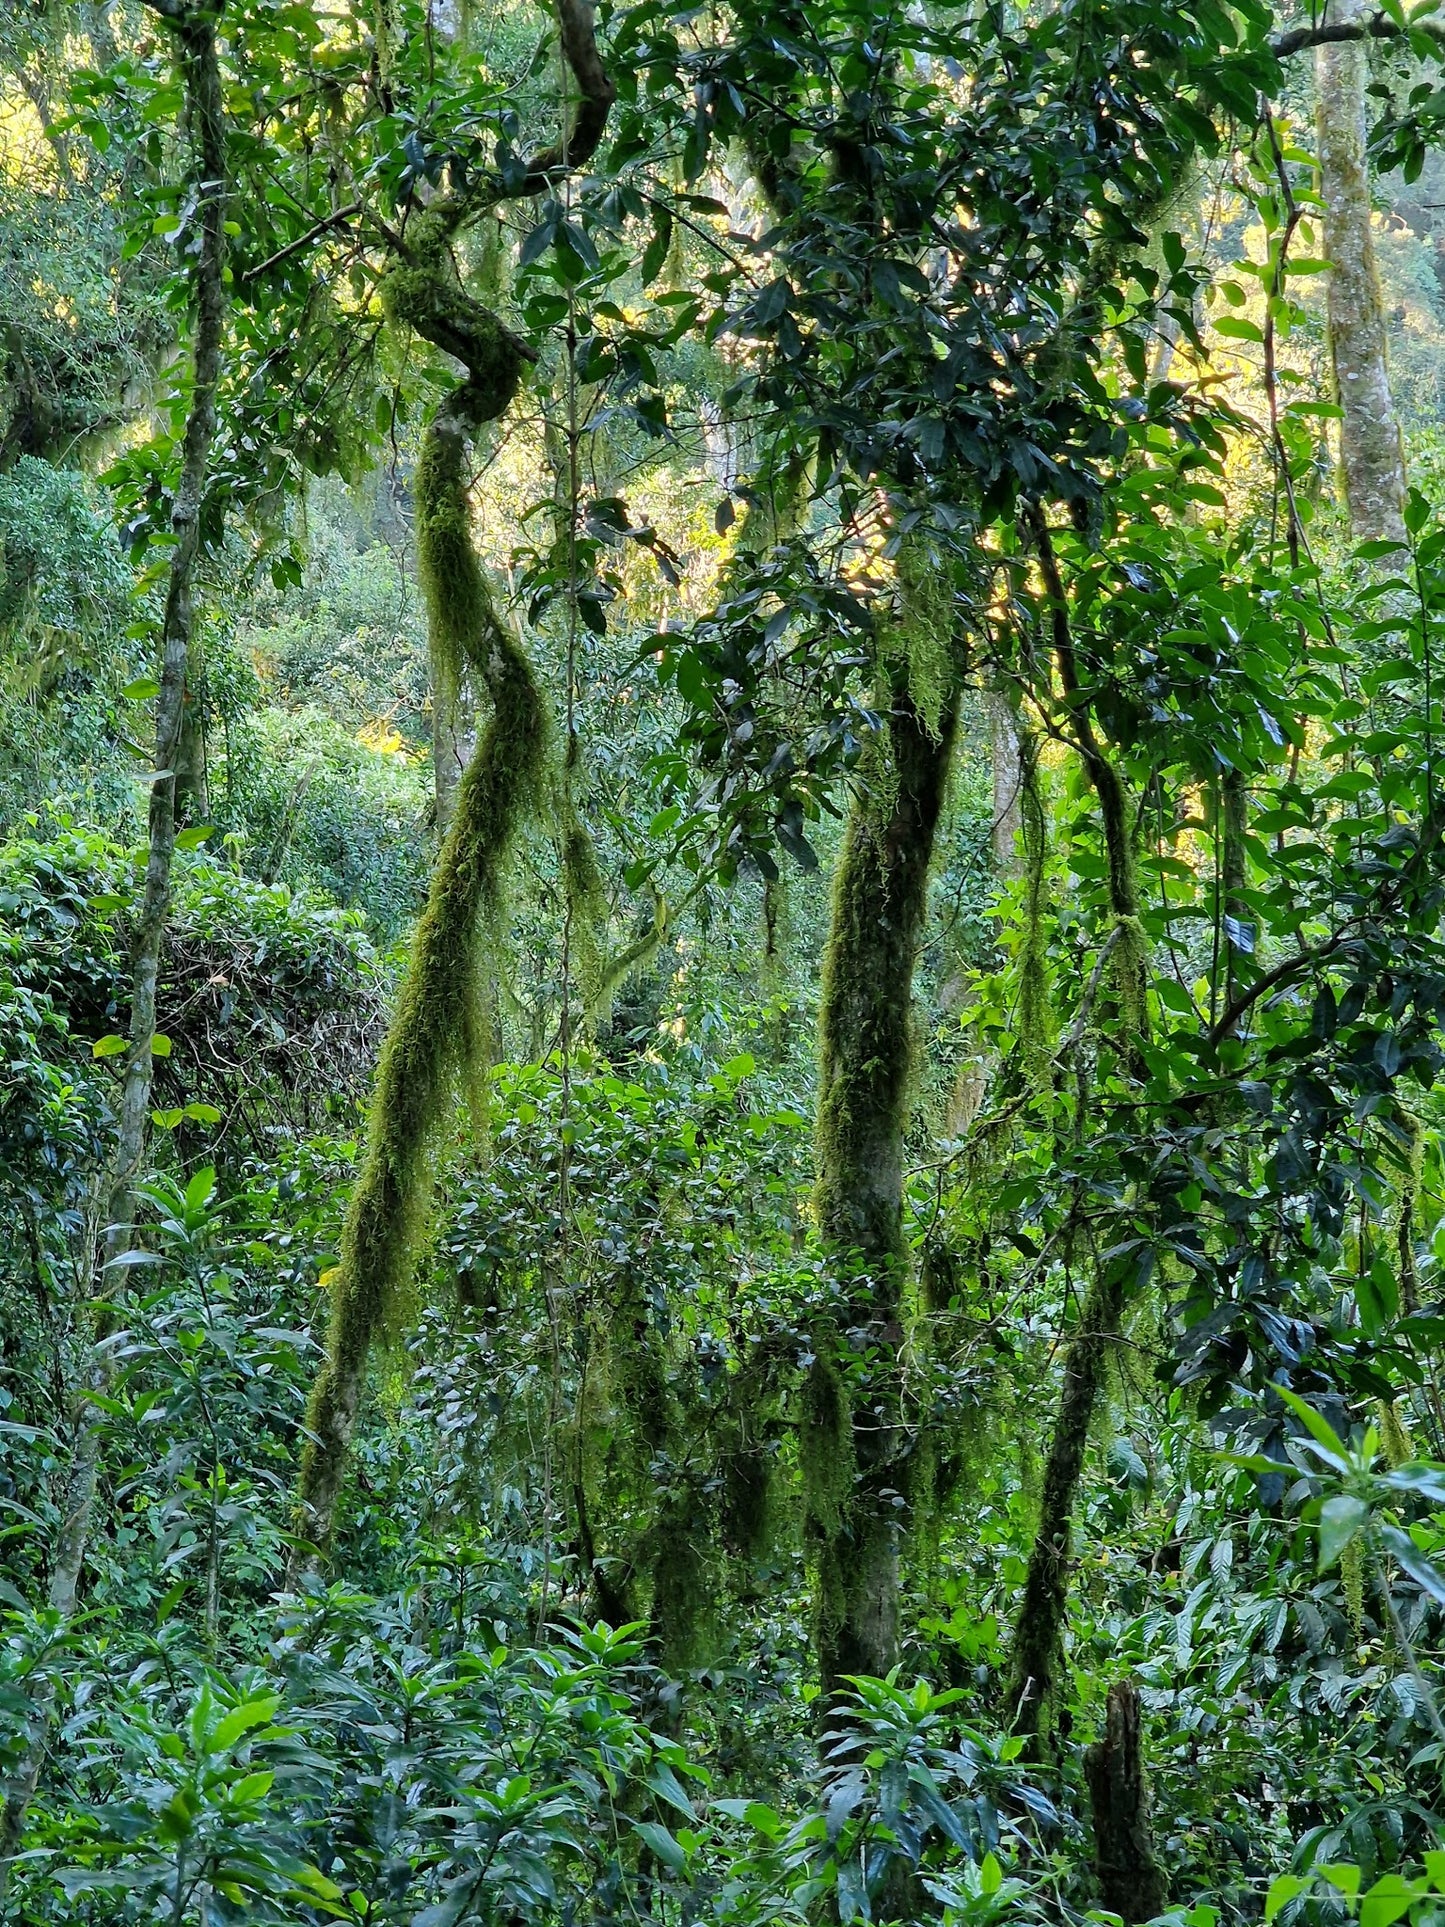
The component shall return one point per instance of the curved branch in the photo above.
(1379, 26)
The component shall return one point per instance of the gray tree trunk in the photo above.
(1372, 456)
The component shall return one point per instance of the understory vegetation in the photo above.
(722, 962)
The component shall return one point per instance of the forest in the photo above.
(722, 963)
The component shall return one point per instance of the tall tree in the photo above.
(435, 1038)
(194, 30)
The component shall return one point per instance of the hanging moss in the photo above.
(1399, 1446)
(588, 910)
(437, 1034)
(1352, 1583)
(924, 635)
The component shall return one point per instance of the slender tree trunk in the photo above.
(1371, 451)
(195, 34)
(1008, 784)
(854, 1447)
(1038, 1632)
(1039, 1628)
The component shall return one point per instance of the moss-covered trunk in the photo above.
(436, 1034)
(854, 1446)
(1371, 451)
(434, 1037)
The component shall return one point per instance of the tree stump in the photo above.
(1130, 1881)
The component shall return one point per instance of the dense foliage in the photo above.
(722, 975)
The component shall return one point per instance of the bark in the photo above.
(453, 739)
(195, 35)
(854, 1446)
(1130, 1881)
(1371, 452)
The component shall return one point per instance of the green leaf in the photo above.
(666, 1785)
(1341, 1518)
(192, 839)
(663, 1845)
(1319, 1428)
(160, 1044)
(241, 1720)
(1345, 1875)
(202, 1184)
(111, 1046)
(1390, 1897)
(141, 690)
(990, 1875)
(1283, 1889)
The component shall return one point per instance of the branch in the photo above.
(580, 139)
(1282, 972)
(1379, 26)
(314, 233)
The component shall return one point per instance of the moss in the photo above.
(588, 910)
(437, 1033)
(629, 962)
(825, 1453)
(684, 1595)
(423, 293)
(1352, 1583)
(923, 636)
(1399, 1446)
(865, 1049)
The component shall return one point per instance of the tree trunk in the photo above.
(433, 1040)
(1038, 1633)
(195, 35)
(434, 1036)
(854, 1449)
(1008, 784)
(1371, 452)
(1130, 1881)
(1039, 1629)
